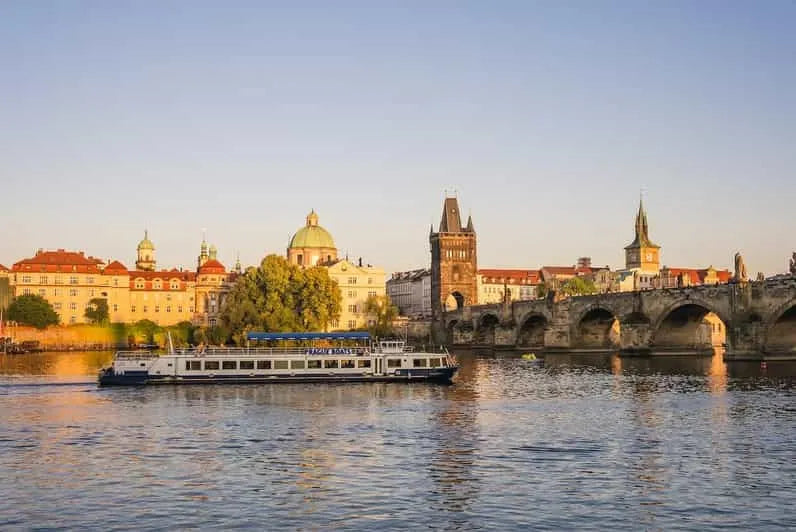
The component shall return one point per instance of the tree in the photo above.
(97, 311)
(578, 286)
(280, 297)
(32, 310)
(382, 308)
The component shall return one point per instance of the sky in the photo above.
(545, 119)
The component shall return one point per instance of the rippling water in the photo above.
(576, 442)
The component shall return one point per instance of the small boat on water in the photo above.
(321, 357)
(529, 356)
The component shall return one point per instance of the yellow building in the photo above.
(69, 280)
(357, 283)
(312, 245)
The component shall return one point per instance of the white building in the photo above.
(411, 292)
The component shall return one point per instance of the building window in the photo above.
(352, 280)
(26, 279)
(132, 308)
(115, 307)
(73, 279)
(73, 292)
(43, 279)
(352, 308)
(168, 308)
(26, 292)
(58, 279)
(139, 284)
(89, 280)
(299, 259)
(352, 324)
(145, 309)
(335, 323)
(190, 310)
(115, 282)
(352, 294)
(157, 308)
(175, 285)
(91, 292)
(73, 319)
(179, 308)
(72, 306)
(372, 293)
(57, 306)
(156, 284)
(42, 292)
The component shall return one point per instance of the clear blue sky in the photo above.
(546, 117)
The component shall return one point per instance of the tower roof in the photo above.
(642, 238)
(146, 243)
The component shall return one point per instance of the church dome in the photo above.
(311, 235)
(146, 243)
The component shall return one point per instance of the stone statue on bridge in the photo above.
(740, 269)
(793, 264)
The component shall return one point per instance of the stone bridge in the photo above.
(758, 317)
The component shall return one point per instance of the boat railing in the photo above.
(136, 355)
(275, 351)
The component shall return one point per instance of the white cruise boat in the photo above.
(301, 357)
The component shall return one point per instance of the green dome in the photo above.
(311, 235)
(146, 243)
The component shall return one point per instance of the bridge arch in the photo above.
(597, 327)
(780, 329)
(485, 329)
(530, 332)
(691, 324)
(454, 301)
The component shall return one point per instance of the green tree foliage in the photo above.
(144, 331)
(278, 296)
(383, 310)
(578, 286)
(32, 310)
(97, 311)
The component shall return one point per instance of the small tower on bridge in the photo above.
(642, 254)
(454, 261)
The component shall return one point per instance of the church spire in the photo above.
(642, 237)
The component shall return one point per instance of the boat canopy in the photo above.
(309, 336)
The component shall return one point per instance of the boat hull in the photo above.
(441, 375)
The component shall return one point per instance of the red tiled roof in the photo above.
(115, 267)
(520, 276)
(59, 260)
(565, 270)
(165, 277)
(3, 268)
(212, 266)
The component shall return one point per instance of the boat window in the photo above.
(419, 363)
(211, 364)
(330, 364)
(347, 363)
(434, 362)
(280, 364)
(193, 365)
(363, 363)
(229, 364)
(393, 362)
(297, 364)
(247, 364)
(314, 364)
(263, 364)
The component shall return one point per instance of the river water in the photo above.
(578, 441)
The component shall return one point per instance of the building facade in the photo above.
(356, 283)
(454, 261)
(498, 285)
(69, 280)
(411, 292)
(5, 288)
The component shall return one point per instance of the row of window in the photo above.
(197, 365)
(157, 308)
(345, 363)
(353, 280)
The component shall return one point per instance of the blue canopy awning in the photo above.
(309, 336)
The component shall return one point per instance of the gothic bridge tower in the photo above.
(453, 261)
(642, 254)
